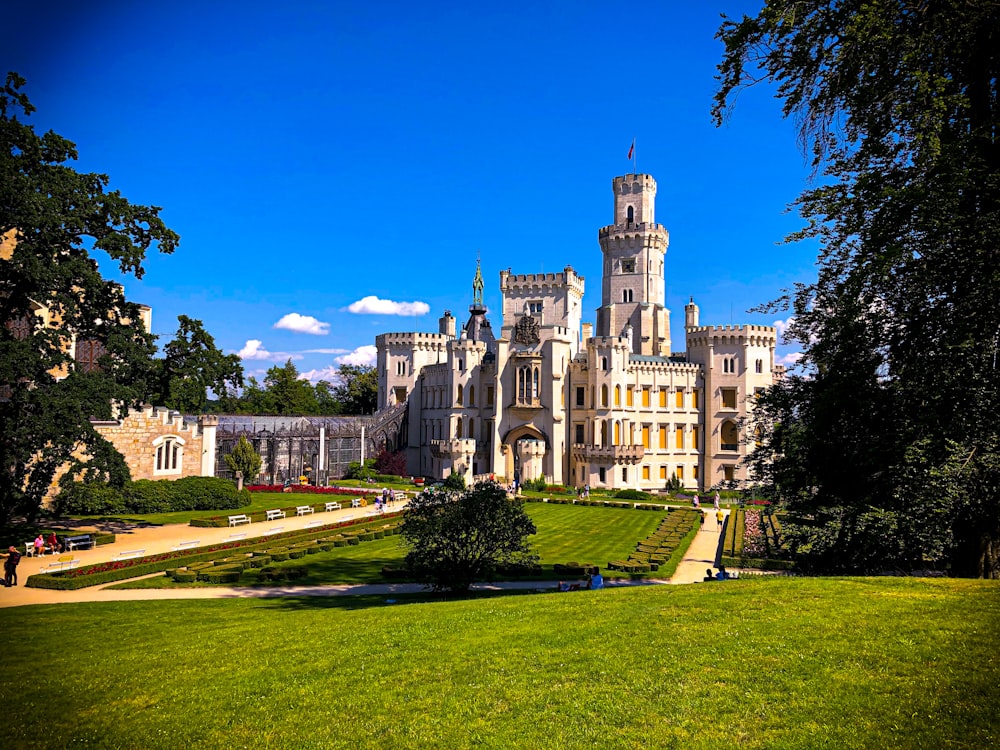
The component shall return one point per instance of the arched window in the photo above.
(730, 436)
(169, 455)
(604, 396)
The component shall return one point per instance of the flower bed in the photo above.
(118, 570)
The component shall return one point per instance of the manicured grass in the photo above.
(765, 663)
(566, 533)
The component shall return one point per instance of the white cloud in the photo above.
(372, 305)
(303, 324)
(789, 359)
(254, 349)
(363, 355)
(782, 326)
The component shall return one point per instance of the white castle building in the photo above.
(547, 397)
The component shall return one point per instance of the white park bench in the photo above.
(132, 553)
(301, 510)
(187, 545)
(66, 562)
(276, 513)
(242, 518)
(332, 506)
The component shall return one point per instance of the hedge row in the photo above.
(149, 496)
(657, 549)
(108, 572)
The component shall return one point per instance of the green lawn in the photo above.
(565, 533)
(764, 663)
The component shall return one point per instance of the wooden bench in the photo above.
(188, 545)
(83, 541)
(276, 513)
(132, 553)
(332, 506)
(242, 518)
(302, 510)
(275, 530)
(66, 562)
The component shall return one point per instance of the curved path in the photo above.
(154, 539)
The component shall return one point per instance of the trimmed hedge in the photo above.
(150, 496)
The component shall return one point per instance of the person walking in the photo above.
(10, 566)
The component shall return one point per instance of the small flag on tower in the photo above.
(631, 149)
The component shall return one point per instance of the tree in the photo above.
(885, 446)
(191, 365)
(458, 538)
(52, 295)
(357, 389)
(244, 459)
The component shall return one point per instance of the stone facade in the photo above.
(158, 444)
(550, 398)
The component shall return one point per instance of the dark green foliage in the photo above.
(191, 365)
(148, 496)
(883, 447)
(60, 218)
(454, 481)
(459, 538)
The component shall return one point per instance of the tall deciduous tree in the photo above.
(52, 219)
(886, 446)
(457, 539)
(357, 389)
(191, 365)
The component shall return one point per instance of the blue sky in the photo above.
(335, 169)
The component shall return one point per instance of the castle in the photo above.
(549, 398)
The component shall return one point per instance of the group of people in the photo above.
(387, 498)
(594, 581)
(722, 575)
(41, 544)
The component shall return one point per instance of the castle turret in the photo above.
(632, 292)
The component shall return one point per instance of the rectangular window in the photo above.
(663, 435)
(728, 398)
(645, 436)
(580, 396)
(579, 433)
(645, 473)
(645, 397)
(629, 396)
(694, 399)
(679, 433)
(680, 398)
(663, 398)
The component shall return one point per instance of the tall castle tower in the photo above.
(632, 292)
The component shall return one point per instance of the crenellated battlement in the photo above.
(528, 282)
(419, 340)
